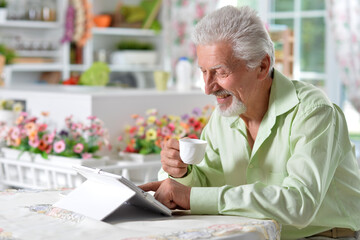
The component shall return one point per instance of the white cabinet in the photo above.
(103, 41)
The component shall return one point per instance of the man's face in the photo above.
(227, 78)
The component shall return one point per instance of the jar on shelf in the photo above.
(48, 11)
(34, 10)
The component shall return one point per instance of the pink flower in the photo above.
(171, 126)
(48, 149)
(165, 131)
(59, 146)
(42, 127)
(86, 155)
(34, 142)
(91, 117)
(74, 126)
(48, 138)
(15, 133)
(78, 148)
(140, 121)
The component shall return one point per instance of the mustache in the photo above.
(222, 92)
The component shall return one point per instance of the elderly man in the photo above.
(277, 149)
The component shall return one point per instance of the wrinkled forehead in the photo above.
(215, 56)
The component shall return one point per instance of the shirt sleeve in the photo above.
(315, 154)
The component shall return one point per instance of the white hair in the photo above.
(242, 28)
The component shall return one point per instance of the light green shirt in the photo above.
(301, 172)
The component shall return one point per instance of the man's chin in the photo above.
(234, 110)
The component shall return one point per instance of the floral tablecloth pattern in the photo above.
(29, 214)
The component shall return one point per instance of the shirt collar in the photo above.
(283, 96)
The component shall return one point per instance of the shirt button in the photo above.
(251, 166)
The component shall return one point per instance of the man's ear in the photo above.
(264, 68)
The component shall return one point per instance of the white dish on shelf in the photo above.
(133, 57)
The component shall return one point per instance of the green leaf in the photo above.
(44, 155)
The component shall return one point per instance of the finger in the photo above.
(172, 143)
(171, 205)
(163, 197)
(170, 153)
(151, 186)
(173, 163)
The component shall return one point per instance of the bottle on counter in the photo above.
(183, 71)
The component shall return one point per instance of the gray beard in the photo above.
(235, 109)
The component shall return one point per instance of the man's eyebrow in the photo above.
(215, 67)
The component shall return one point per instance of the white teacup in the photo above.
(192, 151)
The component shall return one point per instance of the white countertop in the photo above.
(93, 90)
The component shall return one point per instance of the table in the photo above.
(28, 214)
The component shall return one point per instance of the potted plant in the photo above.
(132, 52)
(8, 53)
(77, 144)
(145, 137)
(3, 10)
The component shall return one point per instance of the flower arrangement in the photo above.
(148, 133)
(11, 105)
(78, 140)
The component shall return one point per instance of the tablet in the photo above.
(102, 193)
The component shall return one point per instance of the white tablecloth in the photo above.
(29, 215)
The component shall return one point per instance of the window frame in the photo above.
(333, 86)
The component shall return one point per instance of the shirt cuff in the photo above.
(204, 200)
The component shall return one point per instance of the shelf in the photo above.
(35, 67)
(35, 53)
(134, 68)
(48, 55)
(124, 32)
(30, 24)
(116, 68)
(77, 67)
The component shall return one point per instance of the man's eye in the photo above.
(222, 73)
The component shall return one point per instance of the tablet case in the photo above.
(102, 193)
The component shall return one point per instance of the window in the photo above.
(313, 54)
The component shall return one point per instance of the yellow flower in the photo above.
(151, 120)
(141, 131)
(151, 111)
(202, 120)
(151, 134)
(127, 128)
(18, 107)
(174, 118)
(180, 132)
(163, 121)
